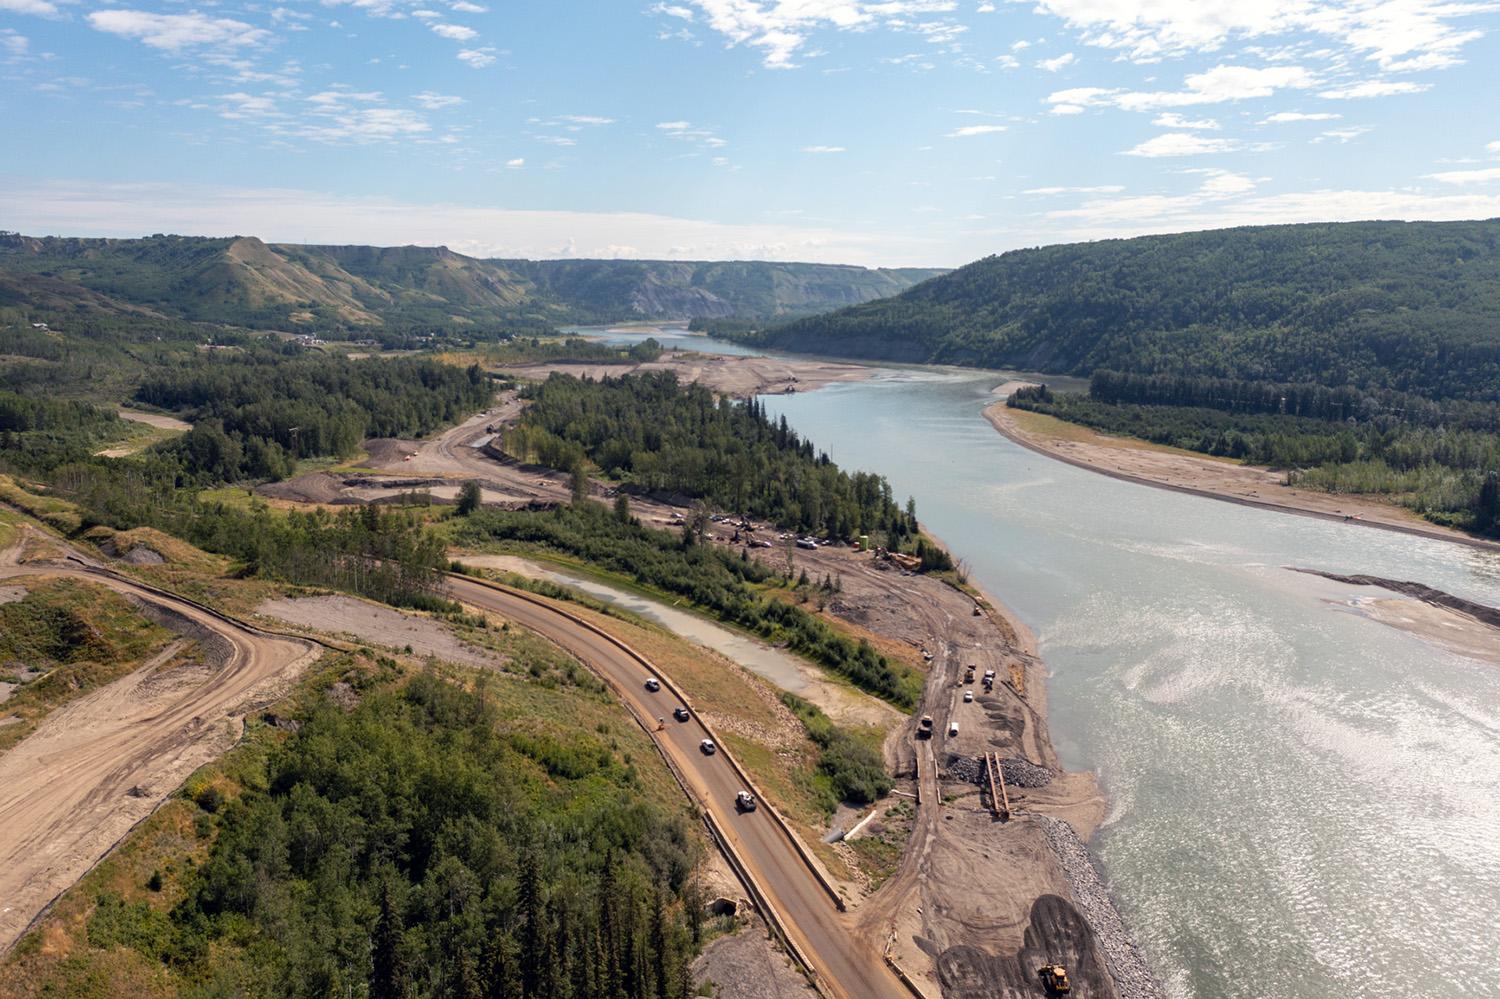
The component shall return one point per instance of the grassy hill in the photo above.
(1381, 305)
(244, 281)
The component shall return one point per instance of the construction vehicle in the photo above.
(924, 727)
(1055, 979)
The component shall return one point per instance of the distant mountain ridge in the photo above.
(244, 281)
(1413, 306)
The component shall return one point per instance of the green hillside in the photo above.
(1380, 305)
(615, 289)
(246, 282)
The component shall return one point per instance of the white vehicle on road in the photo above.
(708, 747)
(653, 684)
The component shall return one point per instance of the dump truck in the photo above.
(1055, 979)
(924, 727)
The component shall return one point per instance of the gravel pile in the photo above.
(967, 769)
(1024, 773)
(1133, 980)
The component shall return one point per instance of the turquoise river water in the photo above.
(1304, 801)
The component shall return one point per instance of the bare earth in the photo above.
(1249, 485)
(102, 763)
(154, 420)
(375, 624)
(735, 376)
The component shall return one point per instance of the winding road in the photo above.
(97, 766)
(762, 847)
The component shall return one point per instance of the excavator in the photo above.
(1055, 979)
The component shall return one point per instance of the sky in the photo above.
(877, 132)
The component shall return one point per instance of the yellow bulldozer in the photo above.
(1055, 979)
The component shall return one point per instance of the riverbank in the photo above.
(1168, 468)
(732, 375)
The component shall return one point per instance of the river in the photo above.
(1304, 801)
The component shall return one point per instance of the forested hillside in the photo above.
(600, 289)
(244, 281)
(1413, 307)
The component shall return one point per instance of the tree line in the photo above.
(650, 432)
(1445, 472)
(257, 413)
(726, 584)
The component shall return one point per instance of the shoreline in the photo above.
(995, 414)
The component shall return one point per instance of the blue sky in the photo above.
(880, 132)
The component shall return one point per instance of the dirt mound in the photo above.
(315, 487)
(385, 450)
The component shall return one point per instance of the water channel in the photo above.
(1305, 801)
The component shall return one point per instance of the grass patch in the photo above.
(78, 637)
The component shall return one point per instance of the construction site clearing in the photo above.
(978, 903)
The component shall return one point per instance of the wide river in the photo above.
(1304, 801)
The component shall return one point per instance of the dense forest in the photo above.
(662, 437)
(418, 847)
(1440, 459)
(1406, 306)
(726, 584)
(256, 413)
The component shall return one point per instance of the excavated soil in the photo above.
(377, 625)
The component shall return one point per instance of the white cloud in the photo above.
(823, 149)
(674, 126)
(1171, 119)
(1098, 189)
(1182, 144)
(36, 8)
(1055, 64)
(1485, 176)
(1398, 35)
(585, 119)
(174, 32)
(780, 28)
(687, 132)
(1374, 88)
(13, 44)
(280, 215)
(456, 32)
(1221, 84)
(477, 58)
(516, 163)
(1223, 183)
(434, 102)
(968, 131)
(464, 7)
(1343, 134)
(1493, 147)
(1282, 117)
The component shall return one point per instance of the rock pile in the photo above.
(1133, 979)
(1024, 773)
(966, 768)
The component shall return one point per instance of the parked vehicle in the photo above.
(968, 696)
(952, 729)
(924, 727)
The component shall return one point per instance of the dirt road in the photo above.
(845, 967)
(76, 786)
